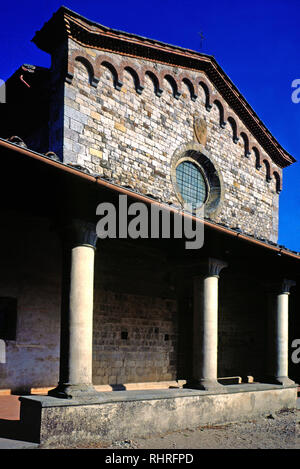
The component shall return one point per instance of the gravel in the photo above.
(275, 431)
(279, 430)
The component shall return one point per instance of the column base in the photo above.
(204, 385)
(282, 380)
(73, 391)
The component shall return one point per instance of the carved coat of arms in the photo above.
(200, 130)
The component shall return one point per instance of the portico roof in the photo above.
(52, 160)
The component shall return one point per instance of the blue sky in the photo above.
(256, 43)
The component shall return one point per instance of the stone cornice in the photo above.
(68, 24)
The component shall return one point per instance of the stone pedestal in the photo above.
(112, 416)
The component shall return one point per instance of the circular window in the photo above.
(196, 179)
(191, 184)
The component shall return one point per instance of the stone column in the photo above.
(205, 333)
(77, 311)
(278, 334)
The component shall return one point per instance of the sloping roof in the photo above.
(26, 108)
(66, 23)
(51, 159)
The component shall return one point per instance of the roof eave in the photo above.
(4, 144)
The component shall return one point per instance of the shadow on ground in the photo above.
(15, 430)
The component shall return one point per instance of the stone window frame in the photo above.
(196, 152)
(195, 162)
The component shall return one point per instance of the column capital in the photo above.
(215, 266)
(209, 267)
(79, 232)
(286, 285)
(280, 286)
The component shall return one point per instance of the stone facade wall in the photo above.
(30, 272)
(126, 299)
(132, 297)
(135, 315)
(243, 331)
(130, 135)
(126, 131)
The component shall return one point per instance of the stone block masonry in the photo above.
(130, 134)
(134, 339)
(135, 317)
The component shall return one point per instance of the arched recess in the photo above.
(93, 80)
(82, 57)
(220, 107)
(234, 128)
(268, 169)
(257, 157)
(207, 91)
(245, 139)
(109, 64)
(278, 181)
(175, 86)
(156, 82)
(183, 77)
(139, 85)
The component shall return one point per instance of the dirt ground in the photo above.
(276, 431)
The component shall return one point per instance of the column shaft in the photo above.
(76, 343)
(278, 329)
(81, 315)
(281, 333)
(205, 331)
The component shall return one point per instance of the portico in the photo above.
(201, 281)
(166, 127)
(79, 242)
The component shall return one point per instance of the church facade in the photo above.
(122, 116)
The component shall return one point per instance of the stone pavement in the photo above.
(6, 443)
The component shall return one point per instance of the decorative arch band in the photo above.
(139, 72)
